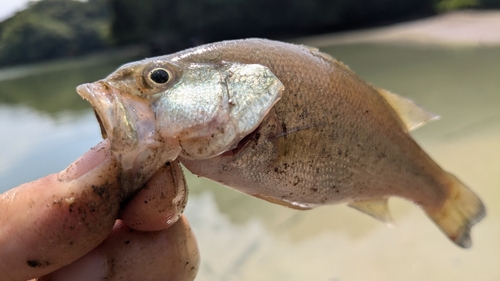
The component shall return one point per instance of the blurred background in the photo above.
(443, 54)
(63, 28)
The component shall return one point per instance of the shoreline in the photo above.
(470, 28)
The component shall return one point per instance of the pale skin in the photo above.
(76, 225)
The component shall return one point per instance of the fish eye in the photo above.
(159, 75)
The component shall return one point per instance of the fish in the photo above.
(282, 122)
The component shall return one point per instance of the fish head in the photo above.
(122, 103)
(157, 109)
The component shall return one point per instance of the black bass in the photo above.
(281, 122)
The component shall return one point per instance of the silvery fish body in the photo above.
(282, 122)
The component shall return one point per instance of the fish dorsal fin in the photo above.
(310, 48)
(411, 114)
(316, 52)
(377, 208)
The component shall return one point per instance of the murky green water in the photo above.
(44, 126)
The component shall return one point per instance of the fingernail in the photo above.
(91, 159)
(92, 266)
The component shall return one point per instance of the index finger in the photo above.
(52, 221)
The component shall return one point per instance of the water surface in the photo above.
(44, 126)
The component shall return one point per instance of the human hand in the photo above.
(64, 226)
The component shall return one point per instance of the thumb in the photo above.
(52, 221)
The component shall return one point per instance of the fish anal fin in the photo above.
(377, 208)
(460, 211)
(411, 114)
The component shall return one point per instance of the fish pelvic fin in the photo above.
(288, 204)
(377, 208)
(461, 210)
(411, 114)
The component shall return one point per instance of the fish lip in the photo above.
(100, 96)
(129, 123)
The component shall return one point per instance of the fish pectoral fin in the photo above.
(377, 208)
(411, 114)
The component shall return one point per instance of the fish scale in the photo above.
(340, 139)
(305, 131)
(296, 146)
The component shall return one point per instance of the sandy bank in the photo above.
(465, 28)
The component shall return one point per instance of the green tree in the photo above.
(172, 24)
(449, 5)
(54, 28)
(34, 37)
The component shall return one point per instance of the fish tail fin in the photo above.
(460, 211)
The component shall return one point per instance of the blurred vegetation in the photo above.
(54, 28)
(449, 5)
(60, 28)
(169, 25)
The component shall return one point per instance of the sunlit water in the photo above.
(44, 126)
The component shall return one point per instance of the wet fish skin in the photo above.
(332, 138)
(321, 136)
(325, 109)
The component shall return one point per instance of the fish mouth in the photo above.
(103, 130)
(101, 97)
(129, 123)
